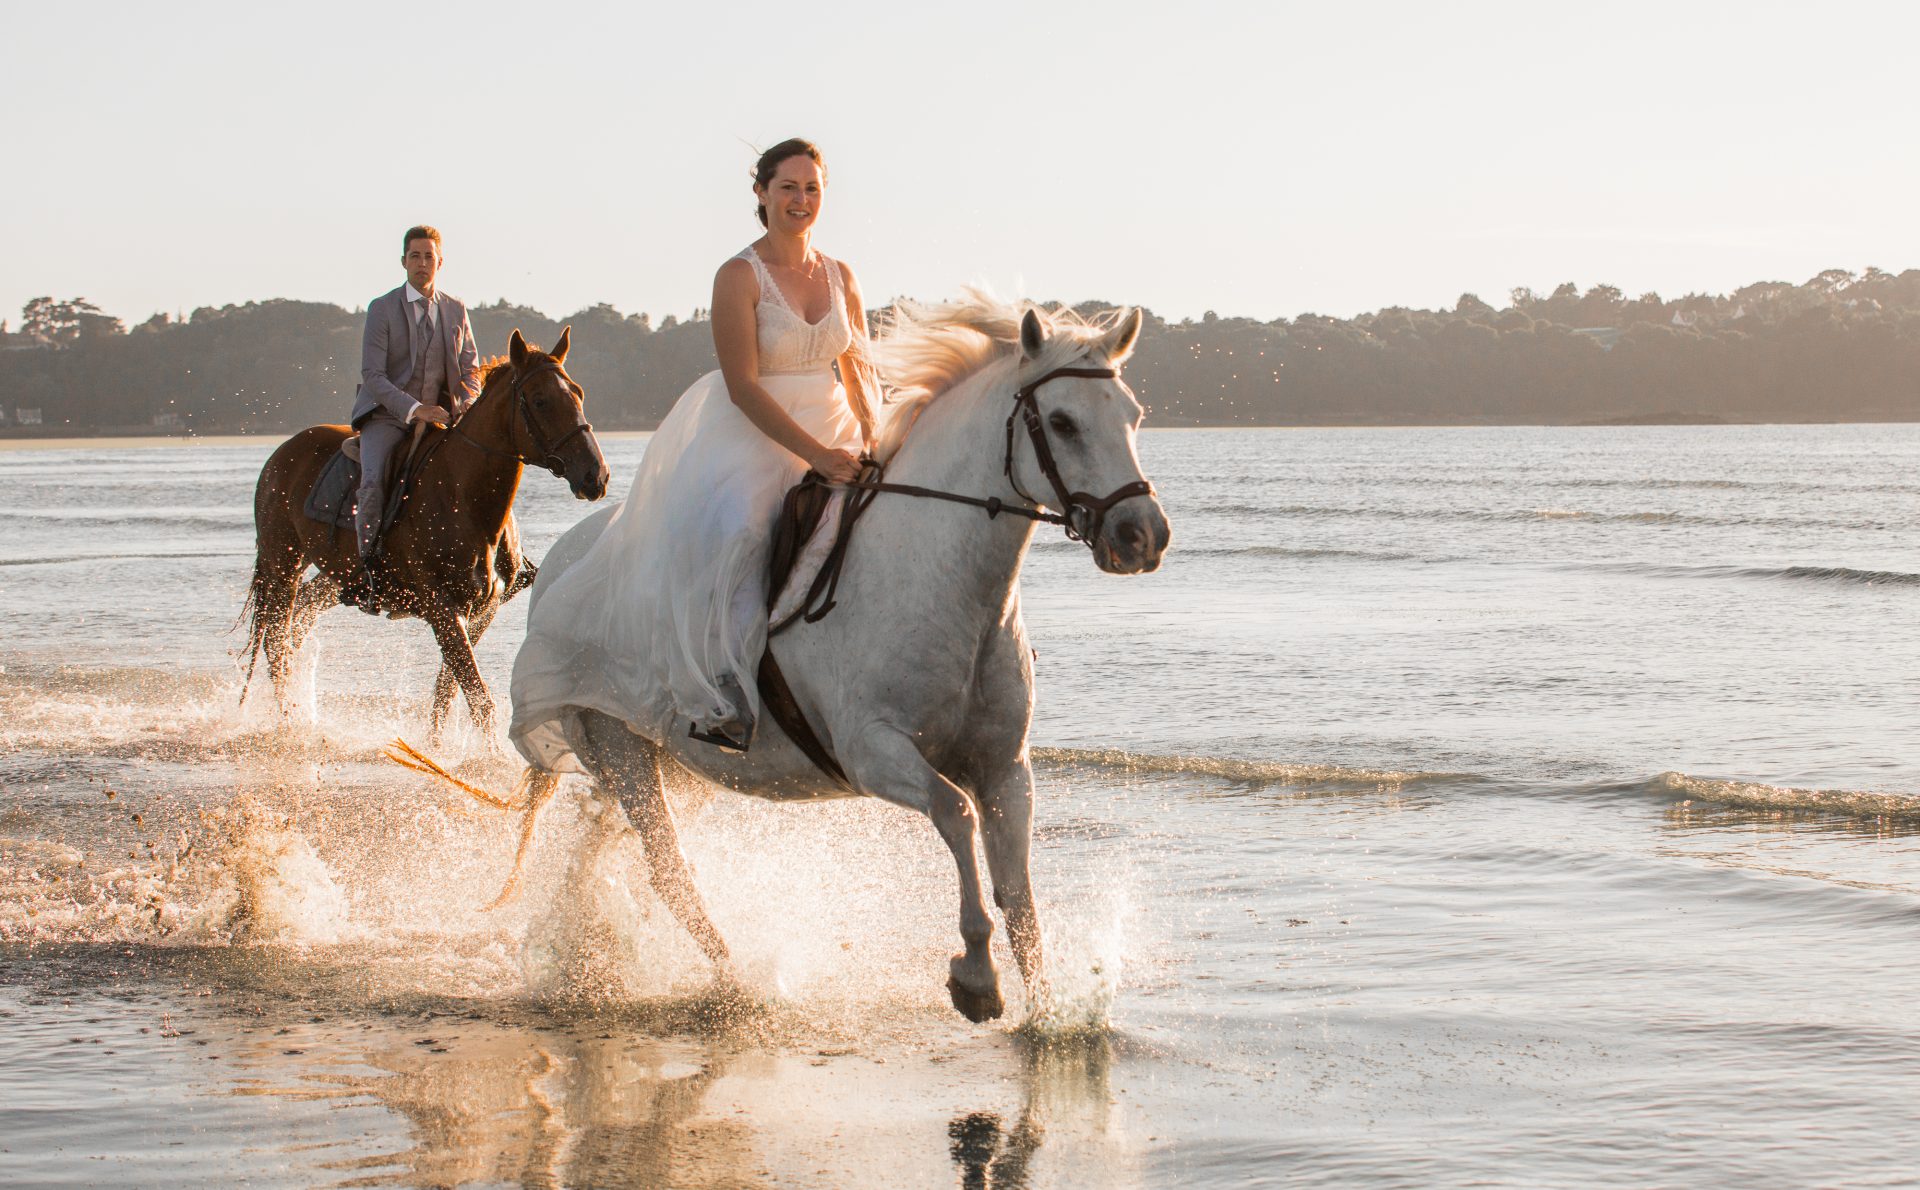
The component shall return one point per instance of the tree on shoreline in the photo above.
(1840, 346)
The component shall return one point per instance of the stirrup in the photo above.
(366, 595)
(725, 743)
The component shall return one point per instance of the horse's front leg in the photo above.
(887, 765)
(456, 655)
(1006, 812)
(628, 766)
(445, 682)
(444, 685)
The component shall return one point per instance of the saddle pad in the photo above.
(333, 496)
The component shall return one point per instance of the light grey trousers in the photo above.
(381, 439)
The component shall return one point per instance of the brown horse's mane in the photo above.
(489, 366)
(501, 363)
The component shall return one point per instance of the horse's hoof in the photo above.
(978, 1007)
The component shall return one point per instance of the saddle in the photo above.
(809, 544)
(336, 492)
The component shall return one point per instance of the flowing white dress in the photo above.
(671, 599)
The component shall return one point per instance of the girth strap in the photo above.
(779, 701)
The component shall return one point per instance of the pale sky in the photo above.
(1259, 159)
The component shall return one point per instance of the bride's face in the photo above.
(792, 197)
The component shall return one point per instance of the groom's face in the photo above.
(422, 263)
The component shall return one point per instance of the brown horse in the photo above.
(452, 556)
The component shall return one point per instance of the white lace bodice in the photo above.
(789, 344)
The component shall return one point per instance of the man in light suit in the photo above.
(418, 365)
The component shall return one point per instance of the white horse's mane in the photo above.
(924, 350)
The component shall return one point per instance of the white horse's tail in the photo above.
(538, 787)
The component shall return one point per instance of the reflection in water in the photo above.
(1063, 1077)
(989, 1157)
(546, 1110)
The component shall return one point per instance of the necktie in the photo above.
(423, 336)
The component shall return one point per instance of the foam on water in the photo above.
(1233, 769)
(1756, 796)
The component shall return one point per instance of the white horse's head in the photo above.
(1087, 424)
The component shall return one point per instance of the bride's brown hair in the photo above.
(770, 160)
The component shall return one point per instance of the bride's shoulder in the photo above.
(848, 281)
(736, 274)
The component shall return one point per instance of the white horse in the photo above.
(920, 683)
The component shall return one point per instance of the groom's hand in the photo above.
(428, 413)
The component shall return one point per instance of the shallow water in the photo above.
(1524, 806)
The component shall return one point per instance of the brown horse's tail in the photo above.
(253, 615)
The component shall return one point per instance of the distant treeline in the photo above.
(1838, 347)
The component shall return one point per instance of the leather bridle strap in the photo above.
(549, 452)
(1027, 409)
(549, 455)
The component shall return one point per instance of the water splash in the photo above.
(270, 886)
(1086, 961)
(585, 945)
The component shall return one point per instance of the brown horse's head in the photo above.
(551, 417)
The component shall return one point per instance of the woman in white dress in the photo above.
(662, 621)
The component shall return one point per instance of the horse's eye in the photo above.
(1062, 424)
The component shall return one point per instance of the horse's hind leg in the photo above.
(628, 766)
(315, 596)
(276, 587)
(889, 766)
(1006, 829)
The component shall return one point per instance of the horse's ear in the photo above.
(517, 350)
(559, 352)
(1123, 336)
(1033, 333)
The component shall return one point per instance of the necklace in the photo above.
(809, 265)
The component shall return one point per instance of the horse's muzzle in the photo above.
(1134, 537)
(586, 471)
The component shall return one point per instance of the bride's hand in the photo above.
(837, 466)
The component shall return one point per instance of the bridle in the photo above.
(547, 453)
(1026, 408)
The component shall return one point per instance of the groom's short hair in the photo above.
(420, 231)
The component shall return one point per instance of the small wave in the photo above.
(1230, 769)
(1476, 515)
(1534, 515)
(1281, 551)
(87, 519)
(62, 559)
(1756, 796)
(1813, 574)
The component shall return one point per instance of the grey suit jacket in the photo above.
(386, 356)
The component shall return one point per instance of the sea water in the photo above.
(1528, 806)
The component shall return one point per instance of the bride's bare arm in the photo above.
(856, 365)
(737, 342)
